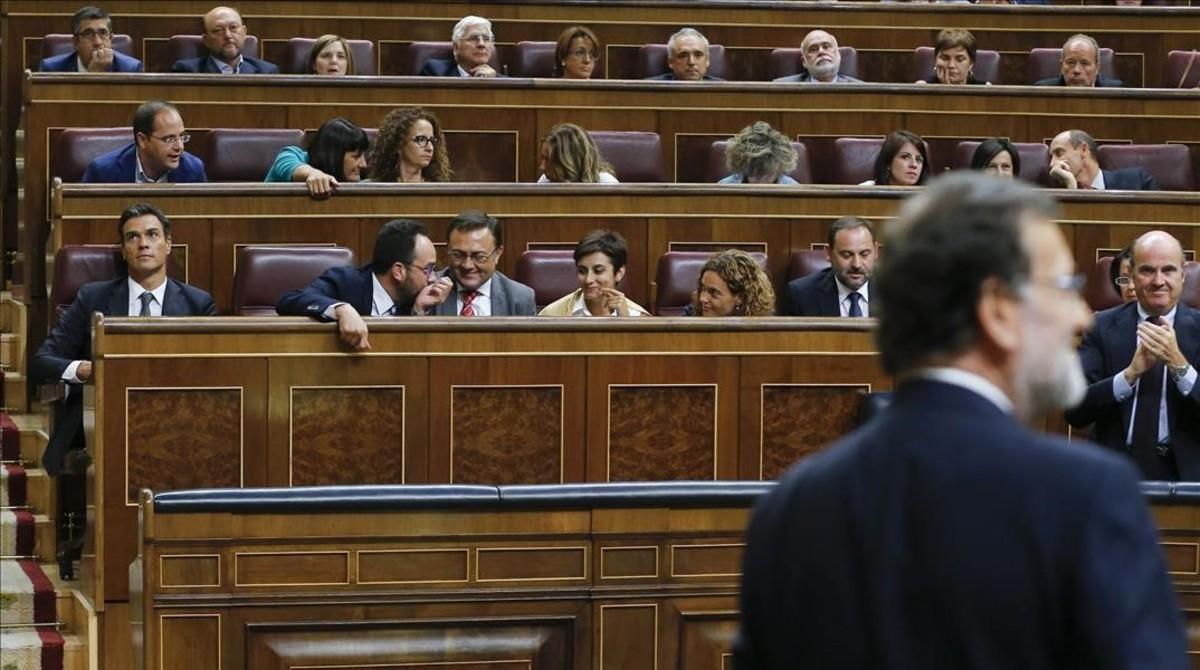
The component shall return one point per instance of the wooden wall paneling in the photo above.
(628, 635)
(507, 420)
(1089, 239)
(706, 631)
(189, 641)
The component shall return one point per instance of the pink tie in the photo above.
(468, 297)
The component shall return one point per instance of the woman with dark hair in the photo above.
(903, 160)
(569, 155)
(733, 284)
(600, 259)
(335, 154)
(410, 148)
(1120, 274)
(330, 54)
(997, 156)
(576, 54)
(953, 59)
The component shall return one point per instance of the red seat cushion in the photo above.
(264, 273)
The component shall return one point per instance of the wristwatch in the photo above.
(1179, 371)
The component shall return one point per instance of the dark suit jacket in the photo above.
(804, 78)
(944, 534)
(670, 76)
(339, 284)
(509, 298)
(1129, 179)
(204, 65)
(814, 295)
(1101, 82)
(119, 166)
(1106, 350)
(438, 67)
(71, 341)
(69, 63)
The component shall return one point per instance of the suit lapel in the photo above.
(118, 299)
(1124, 338)
(499, 297)
(829, 296)
(174, 303)
(1185, 336)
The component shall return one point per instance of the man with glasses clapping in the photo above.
(155, 156)
(92, 36)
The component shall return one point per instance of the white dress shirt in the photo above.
(1122, 390)
(844, 298)
(580, 308)
(1098, 182)
(226, 68)
(139, 176)
(482, 305)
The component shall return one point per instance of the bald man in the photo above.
(822, 60)
(1079, 65)
(224, 38)
(1139, 360)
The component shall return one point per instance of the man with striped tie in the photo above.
(475, 242)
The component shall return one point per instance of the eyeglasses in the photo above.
(425, 141)
(102, 33)
(477, 257)
(1066, 283)
(581, 53)
(1124, 282)
(430, 270)
(479, 39)
(172, 140)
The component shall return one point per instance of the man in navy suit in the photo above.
(1073, 164)
(92, 35)
(475, 242)
(155, 156)
(944, 533)
(400, 280)
(474, 44)
(1080, 65)
(687, 58)
(842, 288)
(146, 290)
(1143, 398)
(224, 37)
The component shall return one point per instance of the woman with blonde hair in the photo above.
(410, 148)
(759, 154)
(733, 284)
(569, 154)
(330, 54)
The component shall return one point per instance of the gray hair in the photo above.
(1080, 37)
(1077, 137)
(760, 150)
(460, 28)
(680, 34)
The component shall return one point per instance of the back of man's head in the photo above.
(396, 243)
(965, 229)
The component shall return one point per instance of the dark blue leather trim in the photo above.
(637, 494)
(1172, 492)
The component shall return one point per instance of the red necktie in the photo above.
(468, 297)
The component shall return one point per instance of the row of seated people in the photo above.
(225, 47)
(411, 146)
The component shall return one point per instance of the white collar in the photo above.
(844, 291)
(80, 67)
(226, 68)
(139, 175)
(381, 302)
(1098, 182)
(461, 71)
(484, 290)
(969, 381)
(1169, 317)
(136, 290)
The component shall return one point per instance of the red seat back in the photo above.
(246, 154)
(1045, 63)
(57, 44)
(790, 61)
(1035, 160)
(1170, 164)
(536, 59)
(636, 156)
(1179, 63)
(75, 266)
(807, 262)
(264, 273)
(677, 277)
(854, 159)
(1099, 291)
(652, 61)
(295, 61)
(74, 148)
(717, 170)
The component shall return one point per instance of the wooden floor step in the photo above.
(75, 652)
(39, 491)
(33, 443)
(15, 400)
(11, 350)
(43, 537)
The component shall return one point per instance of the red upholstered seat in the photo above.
(1170, 164)
(296, 59)
(636, 156)
(1035, 160)
(717, 170)
(1190, 295)
(806, 262)
(74, 148)
(536, 59)
(181, 47)
(246, 154)
(652, 61)
(1177, 65)
(854, 158)
(57, 44)
(551, 274)
(264, 273)
(1099, 291)
(987, 64)
(75, 266)
(677, 277)
(786, 62)
(1044, 64)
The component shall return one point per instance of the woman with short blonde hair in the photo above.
(759, 154)
(569, 154)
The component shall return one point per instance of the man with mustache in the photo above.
(945, 533)
(155, 156)
(224, 37)
(842, 288)
(822, 60)
(1143, 398)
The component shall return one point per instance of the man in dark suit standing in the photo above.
(475, 242)
(842, 288)
(1080, 65)
(400, 280)
(687, 58)
(155, 156)
(1073, 164)
(1143, 397)
(944, 533)
(65, 356)
(92, 35)
(224, 37)
(474, 45)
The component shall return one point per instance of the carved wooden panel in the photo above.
(190, 642)
(506, 435)
(346, 435)
(183, 438)
(628, 637)
(801, 420)
(662, 432)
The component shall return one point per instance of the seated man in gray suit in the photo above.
(822, 60)
(474, 244)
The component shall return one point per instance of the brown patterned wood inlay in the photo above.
(506, 435)
(183, 439)
(801, 420)
(347, 436)
(658, 433)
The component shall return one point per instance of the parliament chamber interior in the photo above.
(509, 491)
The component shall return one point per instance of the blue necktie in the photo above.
(855, 308)
(146, 299)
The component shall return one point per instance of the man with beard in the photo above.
(224, 38)
(841, 289)
(822, 60)
(1143, 396)
(400, 280)
(475, 242)
(944, 533)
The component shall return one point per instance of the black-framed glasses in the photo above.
(172, 140)
(102, 33)
(1124, 282)
(425, 141)
(477, 257)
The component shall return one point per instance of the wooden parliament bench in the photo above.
(591, 576)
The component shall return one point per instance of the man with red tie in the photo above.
(474, 244)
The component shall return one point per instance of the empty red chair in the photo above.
(636, 156)
(790, 61)
(1170, 164)
(57, 44)
(854, 159)
(677, 277)
(298, 48)
(652, 61)
(1045, 63)
(549, 272)
(75, 148)
(1182, 70)
(265, 272)
(807, 262)
(987, 64)
(1035, 160)
(181, 47)
(717, 169)
(535, 59)
(76, 265)
(246, 154)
